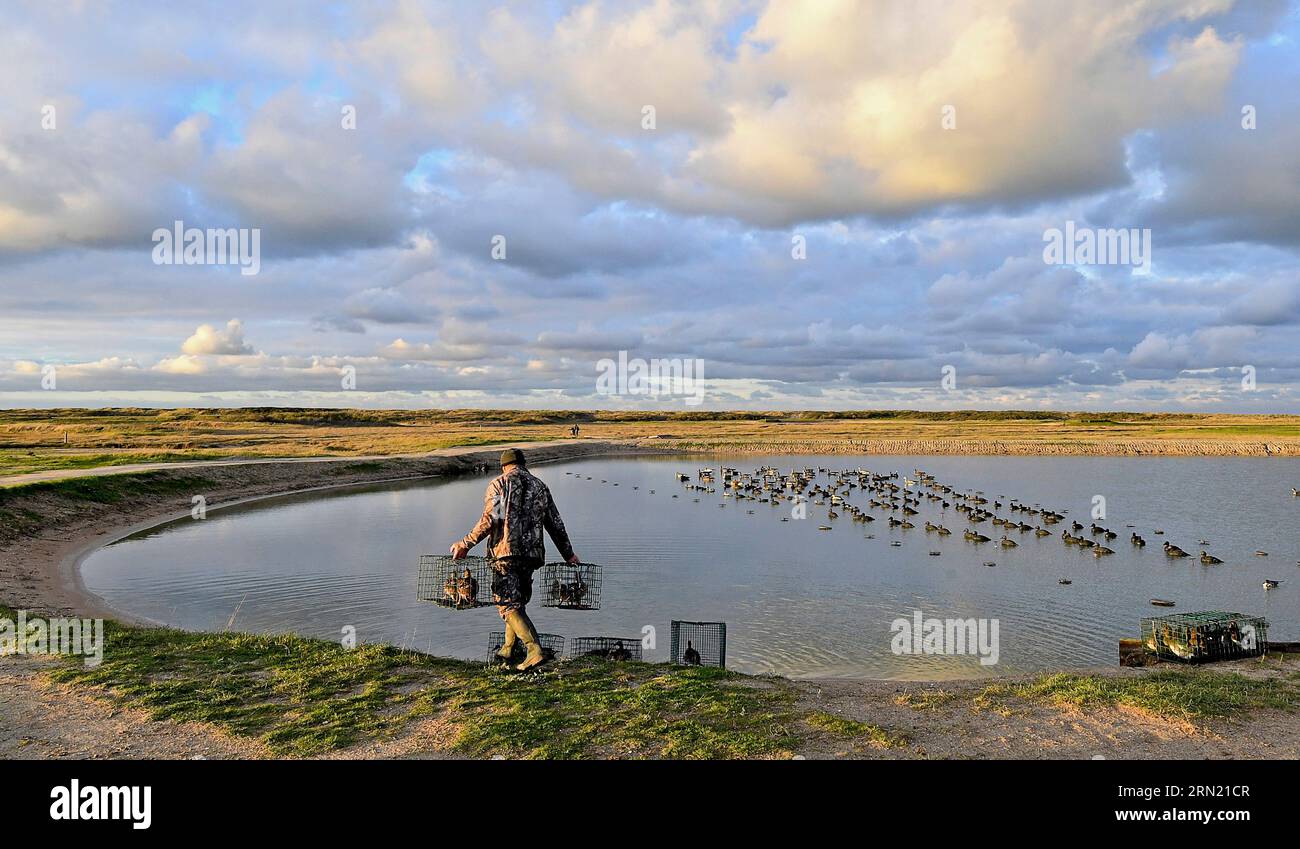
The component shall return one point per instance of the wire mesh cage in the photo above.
(699, 643)
(1205, 636)
(608, 648)
(552, 644)
(457, 584)
(572, 587)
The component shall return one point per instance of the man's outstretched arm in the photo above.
(491, 500)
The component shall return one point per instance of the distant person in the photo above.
(574, 431)
(517, 507)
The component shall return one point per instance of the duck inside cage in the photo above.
(607, 648)
(1205, 636)
(457, 584)
(552, 645)
(572, 586)
(699, 643)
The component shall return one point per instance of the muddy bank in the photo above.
(45, 529)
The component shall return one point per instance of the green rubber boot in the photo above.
(525, 631)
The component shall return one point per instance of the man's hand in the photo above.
(574, 560)
(458, 551)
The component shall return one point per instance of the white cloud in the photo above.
(209, 340)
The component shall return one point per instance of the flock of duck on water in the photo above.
(767, 485)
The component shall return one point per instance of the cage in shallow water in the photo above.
(1205, 636)
(571, 587)
(699, 643)
(456, 584)
(552, 644)
(609, 648)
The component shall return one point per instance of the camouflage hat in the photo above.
(512, 457)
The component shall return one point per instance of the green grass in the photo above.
(26, 461)
(305, 697)
(109, 489)
(1187, 694)
(840, 726)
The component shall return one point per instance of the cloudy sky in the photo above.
(826, 203)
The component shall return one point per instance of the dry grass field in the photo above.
(42, 440)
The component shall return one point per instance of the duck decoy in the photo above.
(1101, 550)
(1162, 602)
(1209, 559)
(1261, 553)
(1270, 583)
(989, 563)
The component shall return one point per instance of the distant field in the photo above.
(34, 440)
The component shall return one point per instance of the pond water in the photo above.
(797, 600)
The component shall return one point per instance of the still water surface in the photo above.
(797, 601)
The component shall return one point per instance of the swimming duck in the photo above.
(1174, 551)
(1008, 543)
(1137, 540)
(1209, 559)
(1065, 582)
(1270, 583)
(1101, 551)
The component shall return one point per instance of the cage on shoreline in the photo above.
(607, 648)
(699, 643)
(455, 584)
(1205, 636)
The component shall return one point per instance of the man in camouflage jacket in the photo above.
(517, 507)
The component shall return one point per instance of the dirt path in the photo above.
(40, 720)
(129, 468)
(957, 726)
(43, 720)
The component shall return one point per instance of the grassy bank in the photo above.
(50, 440)
(304, 697)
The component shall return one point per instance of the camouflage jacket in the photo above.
(516, 507)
